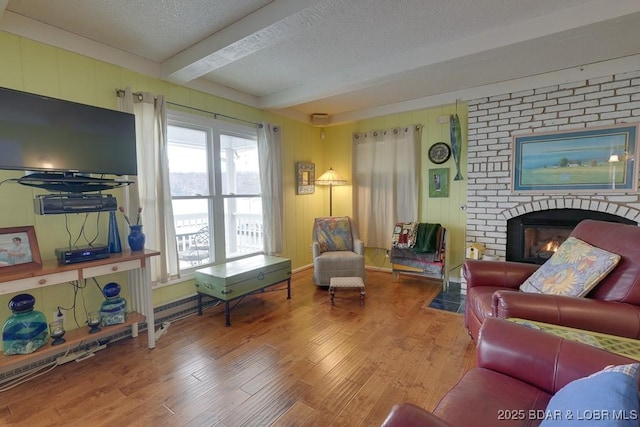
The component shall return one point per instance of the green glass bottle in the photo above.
(114, 309)
(25, 330)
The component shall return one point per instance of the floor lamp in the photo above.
(330, 178)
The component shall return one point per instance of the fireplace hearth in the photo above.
(535, 236)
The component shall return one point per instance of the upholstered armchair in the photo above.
(523, 376)
(611, 307)
(337, 250)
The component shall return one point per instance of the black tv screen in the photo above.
(39, 133)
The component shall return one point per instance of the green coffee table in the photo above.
(237, 279)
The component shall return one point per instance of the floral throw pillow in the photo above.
(575, 269)
(334, 234)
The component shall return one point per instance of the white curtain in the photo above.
(270, 158)
(151, 189)
(386, 181)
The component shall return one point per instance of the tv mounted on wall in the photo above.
(64, 142)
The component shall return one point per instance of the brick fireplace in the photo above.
(535, 236)
(493, 121)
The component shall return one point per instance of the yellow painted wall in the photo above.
(446, 211)
(35, 67)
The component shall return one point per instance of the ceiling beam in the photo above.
(263, 28)
(370, 74)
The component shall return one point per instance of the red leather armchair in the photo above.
(518, 370)
(612, 307)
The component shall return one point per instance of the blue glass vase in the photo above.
(114, 309)
(115, 246)
(136, 238)
(25, 330)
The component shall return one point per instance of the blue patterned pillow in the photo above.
(334, 234)
(606, 398)
(575, 269)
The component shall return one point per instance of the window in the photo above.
(215, 189)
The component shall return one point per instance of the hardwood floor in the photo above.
(298, 362)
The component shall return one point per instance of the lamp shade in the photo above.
(613, 158)
(330, 177)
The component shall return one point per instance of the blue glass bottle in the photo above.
(115, 246)
(114, 309)
(25, 330)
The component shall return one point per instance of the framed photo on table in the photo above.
(305, 178)
(585, 160)
(19, 249)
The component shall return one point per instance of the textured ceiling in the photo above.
(339, 56)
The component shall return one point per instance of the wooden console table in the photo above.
(51, 273)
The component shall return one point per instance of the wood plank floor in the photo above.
(298, 362)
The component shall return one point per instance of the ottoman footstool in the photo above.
(346, 283)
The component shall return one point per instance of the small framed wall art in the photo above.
(439, 182)
(305, 178)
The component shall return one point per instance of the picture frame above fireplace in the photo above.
(602, 159)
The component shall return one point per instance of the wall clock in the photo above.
(439, 153)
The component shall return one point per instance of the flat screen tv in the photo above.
(44, 134)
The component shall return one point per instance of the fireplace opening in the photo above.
(541, 242)
(535, 236)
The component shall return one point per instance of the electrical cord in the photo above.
(81, 232)
(29, 376)
(9, 180)
(34, 373)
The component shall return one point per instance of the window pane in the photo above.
(239, 165)
(243, 225)
(187, 152)
(191, 219)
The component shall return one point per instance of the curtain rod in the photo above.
(139, 95)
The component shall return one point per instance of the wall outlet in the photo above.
(56, 316)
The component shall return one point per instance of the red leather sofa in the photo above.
(518, 370)
(612, 307)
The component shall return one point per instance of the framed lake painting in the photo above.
(585, 160)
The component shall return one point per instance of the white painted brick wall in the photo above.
(493, 121)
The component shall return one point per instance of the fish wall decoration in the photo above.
(456, 143)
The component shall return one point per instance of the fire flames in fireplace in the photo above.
(540, 242)
(551, 246)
